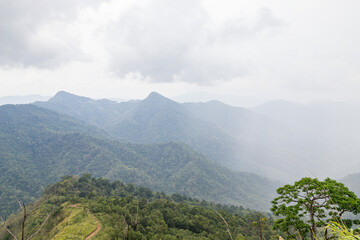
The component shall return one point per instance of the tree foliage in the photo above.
(127, 211)
(310, 203)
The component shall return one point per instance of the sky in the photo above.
(300, 50)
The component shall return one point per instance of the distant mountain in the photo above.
(155, 119)
(322, 115)
(99, 113)
(233, 100)
(234, 137)
(22, 99)
(233, 120)
(334, 128)
(352, 181)
(38, 146)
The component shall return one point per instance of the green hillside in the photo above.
(155, 119)
(39, 146)
(76, 207)
(235, 137)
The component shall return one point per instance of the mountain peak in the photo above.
(65, 96)
(157, 102)
(156, 97)
(62, 94)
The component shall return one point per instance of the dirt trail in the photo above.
(98, 228)
(93, 233)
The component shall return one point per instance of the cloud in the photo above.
(177, 41)
(259, 48)
(160, 40)
(30, 31)
(234, 30)
(155, 39)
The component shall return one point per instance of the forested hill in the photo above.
(76, 207)
(39, 146)
(155, 119)
(237, 138)
(26, 119)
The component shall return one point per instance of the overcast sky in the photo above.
(299, 50)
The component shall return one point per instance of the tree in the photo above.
(25, 215)
(310, 204)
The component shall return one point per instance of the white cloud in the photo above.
(167, 42)
(34, 33)
(279, 49)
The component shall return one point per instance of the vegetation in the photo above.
(129, 212)
(341, 232)
(310, 204)
(155, 119)
(39, 146)
(280, 142)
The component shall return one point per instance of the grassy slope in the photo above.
(78, 223)
(76, 203)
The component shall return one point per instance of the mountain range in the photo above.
(22, 99)
(38, 146)
(172, 147)
(269, 140)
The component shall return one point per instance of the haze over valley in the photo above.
(192, 119)
(278, 139)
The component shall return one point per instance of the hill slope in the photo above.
(78, 206)
(237, 138)
(155, 119)
(38, 147)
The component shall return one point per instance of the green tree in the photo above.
(310, 204)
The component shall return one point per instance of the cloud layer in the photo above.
(160, 40)
(276, 49)
(28, 33)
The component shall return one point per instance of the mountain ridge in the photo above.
(41, 152)
(235, 137)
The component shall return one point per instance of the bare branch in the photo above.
(32, 211)
(7, 228)
(22, 208)
(42, 225)
(226, 224)
(126, 229)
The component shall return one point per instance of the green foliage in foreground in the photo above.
(129, 212)
(341, 232)
(310, 204)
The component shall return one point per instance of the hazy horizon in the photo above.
(243, 54)
(196, 97)
(255, 51)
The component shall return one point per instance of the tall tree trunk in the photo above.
(260, 228)
(313, 224)
(23, 223)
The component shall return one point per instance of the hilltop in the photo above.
(77, 206)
